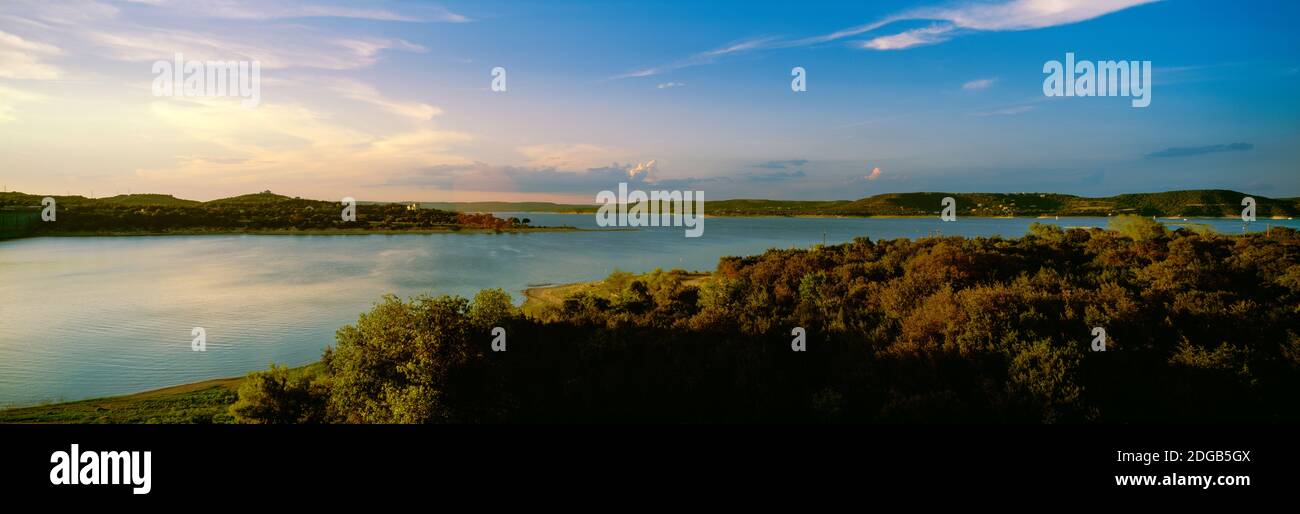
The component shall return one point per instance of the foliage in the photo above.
(1138, 228)
(201, 403)
(279, 396)
(1200, 327)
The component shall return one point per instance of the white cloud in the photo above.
(10, 98)
(580, 156)
(362, 92)
(911, 38)
(1024, 14)
(290, 143)
(979, 84)
(279, 9)
(1004, 16)
(707, 57)
(667, 85)
(969, 16)
(157, 30)
(60, 13)
(641, 171)
(23, 59)
(271, 51)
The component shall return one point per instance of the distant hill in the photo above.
(740, 207)
(1203, 203)
(142, 200)
(1190, 203)
(258, 212)
(506, 207)
(264, 197)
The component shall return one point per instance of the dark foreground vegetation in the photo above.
(265, 211)
(1200, 328)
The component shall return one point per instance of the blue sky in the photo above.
(391, 100)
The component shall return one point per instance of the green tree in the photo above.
(403, 362)
(280, 396)
(1139, 228)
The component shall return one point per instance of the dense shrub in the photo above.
(1199, 327)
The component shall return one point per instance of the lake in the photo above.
(84, 317)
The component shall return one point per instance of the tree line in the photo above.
(261, 211)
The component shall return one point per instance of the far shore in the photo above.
(309, 232)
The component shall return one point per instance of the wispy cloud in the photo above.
(1007, 111)
(668, 85)
(575, 156)
(1188, 151)
(288, 143)
(363, 92)
(781, 165)
(996, 17)
(949, 22)
(281, 9)
(85, 27)
(979, 84)
(272, 52)
(23, 59)
(707, 57)
(916, 37)
(11, 98)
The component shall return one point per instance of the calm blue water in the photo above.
(97, 316)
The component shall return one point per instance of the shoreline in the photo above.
(203, 401)
(548, 229)
(536, 298)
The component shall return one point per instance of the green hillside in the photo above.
(507, 207)
(1194, 203)
(267, 211)
(147, 200)
(1203, 203)
(265, 197)
(258, 212)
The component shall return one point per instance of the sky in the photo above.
(393, 101)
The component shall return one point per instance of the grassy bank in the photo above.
(537, 299)
(200, 402)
